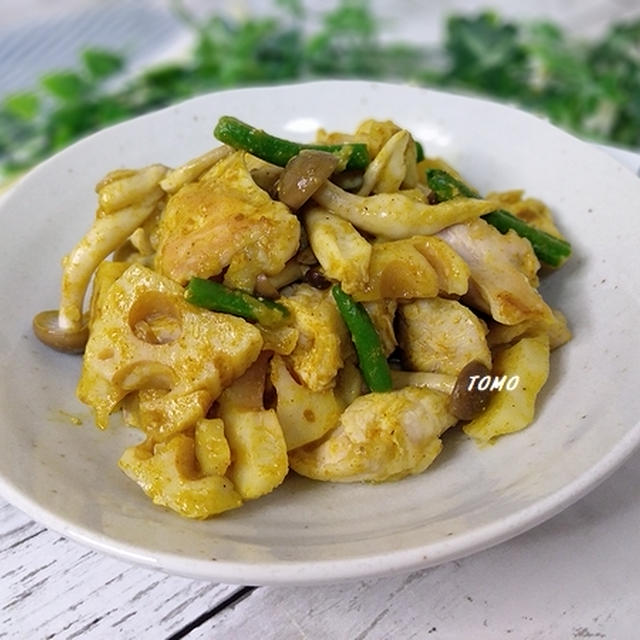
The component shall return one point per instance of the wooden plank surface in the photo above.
(51, 587)
(576, 576)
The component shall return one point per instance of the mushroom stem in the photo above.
(120, 192)
(193, 169)
(435, 381)
(395, 215)
(107, 234)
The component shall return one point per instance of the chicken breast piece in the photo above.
(225, 221)
(503, 272)
(441, 336)
(380, 437)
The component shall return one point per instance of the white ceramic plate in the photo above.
(66, 477)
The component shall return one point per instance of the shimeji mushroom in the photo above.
(465, 400)
(193, 169)
(303, 175)
(127, 199)
(394, 166)
(397, 215)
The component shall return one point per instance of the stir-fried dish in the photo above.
(328, 308)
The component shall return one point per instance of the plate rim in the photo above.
(307, 573)
(288, 572)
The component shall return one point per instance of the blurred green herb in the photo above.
(591, 88)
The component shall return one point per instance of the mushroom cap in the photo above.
(48, 330)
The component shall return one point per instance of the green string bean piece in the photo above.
(371, 359)
(549, 249)
(239, 135)
(216, 297)
(445, 186)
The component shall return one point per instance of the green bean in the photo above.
(217, 297)
(549, 249)
(371, 359)
(445, 186)
(239, 135)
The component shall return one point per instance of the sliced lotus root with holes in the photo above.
(146, 336)
(162, 414)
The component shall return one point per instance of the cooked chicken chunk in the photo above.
(503, 271)
(380, 436)
(225, 221)
(441, 336)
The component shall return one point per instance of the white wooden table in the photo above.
(575, 576)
